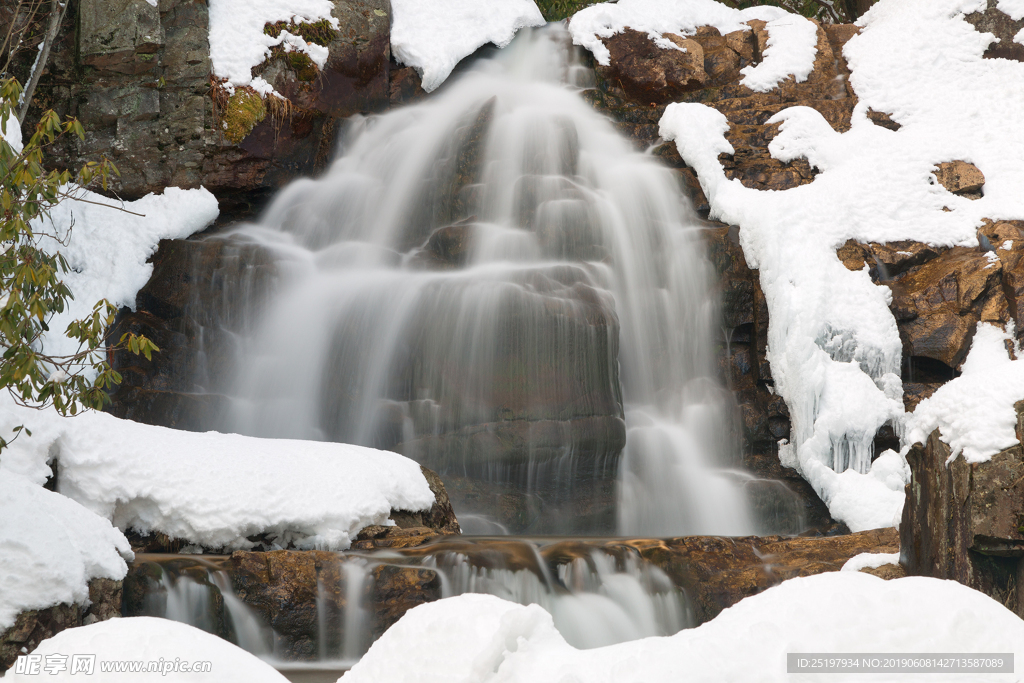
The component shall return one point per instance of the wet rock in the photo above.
(966, 521)
(34, 626)
(719, 572)
(395, 590)
(651, 74)
(448, 247)
(938, 304)
(960, 177)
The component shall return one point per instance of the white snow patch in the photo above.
(791, 38)
(974, 412)
(108, 248)
(1007, 245)
(1015, 8)
(237, 40)
(833, 344)
(50, 547)
(482, 639)
(10, 132)
(215, 489)
(870, 561)
(148, 639)
(433, 36)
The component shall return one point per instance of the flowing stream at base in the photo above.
(495, 283)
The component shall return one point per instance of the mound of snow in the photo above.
(486, 640)
(833, 344)
(974, 412)
(870, 561)
(791, 38)
(108, 248)
(434, 35)
(214, 489)
(50, 548)
(145, 649)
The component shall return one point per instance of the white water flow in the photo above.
(494, 282)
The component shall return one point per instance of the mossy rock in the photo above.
(244, 110)
(316, 32)
(556, 10)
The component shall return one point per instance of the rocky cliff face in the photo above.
(138, 77)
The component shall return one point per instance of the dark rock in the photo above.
(880, 118)
(966, 521)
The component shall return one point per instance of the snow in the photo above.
(870, 561)
(148, 639)
(108, 248)
(974, 412)
(10, 132)
(791, 38)
(1015, 8)
(833, 344)
(486, 640)
(211, 489)
(434, 35)
(50, 547)
(238, 43)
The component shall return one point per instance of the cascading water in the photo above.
(495, 283)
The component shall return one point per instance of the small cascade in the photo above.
(599, 593)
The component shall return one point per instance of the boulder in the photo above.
(1003, 28)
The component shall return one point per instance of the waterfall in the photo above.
(495, 283)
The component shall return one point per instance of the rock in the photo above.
(651, 74)
(961, 177)
(1003, 27)
(34, 626)
(966, 521)
(938, 304)
(138, 77)
(719, 572)
(395, 590)
(448, 247)
(886, 571)
(201, 294)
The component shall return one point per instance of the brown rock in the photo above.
(743, 43)
(650, 74)
(719, 572)
(887, 571)
(960, 177)
(993, 20)
(938, 304)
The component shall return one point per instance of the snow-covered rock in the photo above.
(50, 548)
(211, 489)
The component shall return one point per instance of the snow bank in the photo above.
(833, 344)
(238, 43)
(134, 640)
(974, 412)
(108, 248)
(791, 38)
(486, 640)
(434, 35)
(215, 489)
(50, 547)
